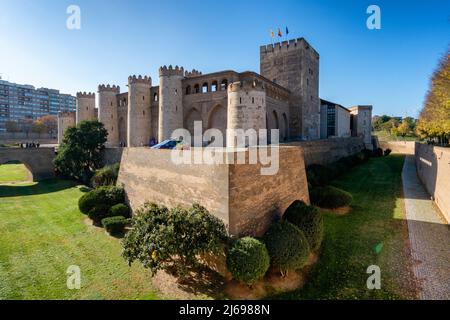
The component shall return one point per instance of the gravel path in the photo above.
(429, 236)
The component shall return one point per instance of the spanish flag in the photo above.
(272, 34)
(279, 33)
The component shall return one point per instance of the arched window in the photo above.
(196, 88)
(155, 97)
(188, 90)
(205, 88)
(214, 86)
(224, 84)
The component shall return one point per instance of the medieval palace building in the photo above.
(284, 96)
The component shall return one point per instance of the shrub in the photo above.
(387, 152)
(330, 197)
(120, 209)
(98, 202)
(287, 246)
(106, 176)
(378, 152)
(248, 260)
(308, 219)
(318, 175)
(115, 224)
(367, 153)
(161, 238)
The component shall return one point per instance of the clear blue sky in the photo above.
(388, 68)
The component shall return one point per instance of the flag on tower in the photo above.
(279, 33)
(272, 34)
(287, 31)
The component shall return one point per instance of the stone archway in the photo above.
(192, 116)
(217, 119)
(39, 161)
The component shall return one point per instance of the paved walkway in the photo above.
(429, 236)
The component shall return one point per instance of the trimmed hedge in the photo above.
(248, 260)
(308, 219)
(319, 175)
(287, 246)
(98, 202)
(120, 209)
(106, 176)
(330, 197)
(115, 224)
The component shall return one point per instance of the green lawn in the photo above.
(13, 172)
(385, 136)
(373, 233)
(42, 233)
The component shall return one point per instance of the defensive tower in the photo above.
(170, 101)
(85, 106)
(139, 111)
(107, 112)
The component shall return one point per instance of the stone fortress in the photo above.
(284, 96)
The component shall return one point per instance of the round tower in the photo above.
(85, 106)
(107, 112)
(170, 101)
(66, 119)
(139, 117)
(246, 110)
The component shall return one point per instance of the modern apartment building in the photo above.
(18, 102)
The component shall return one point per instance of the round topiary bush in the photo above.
(97, 203)
(120, 209)
(106, 176)
(248, 260)
(330, 197)
(115, 225)
(308, 219)
(319, 175)
(287, 246)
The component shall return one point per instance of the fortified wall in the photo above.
(433, 169)
(326, 151)
(246, 201)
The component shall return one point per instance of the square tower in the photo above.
(294, 64)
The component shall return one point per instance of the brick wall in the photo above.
(433, 169)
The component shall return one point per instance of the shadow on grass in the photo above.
(200, 280)
(35, 188)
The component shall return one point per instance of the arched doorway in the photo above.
(217, 119)
(192, 116)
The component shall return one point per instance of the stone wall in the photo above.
(112, 156)
(433, 169)
(256, 200)
(238, 194)
(39, 161)
(18, 137)
(405, 147)
(326, 151)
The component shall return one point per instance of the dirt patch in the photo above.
(198, 284)
(272, 284)
(341, 211)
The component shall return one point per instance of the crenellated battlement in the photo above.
(66, 114)
(139, 79)
(193, 73)
(246, 85)
(171, 71)
(292, 44)
(85, 94)
(113, 88)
